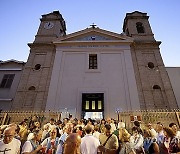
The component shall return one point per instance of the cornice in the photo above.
(40, 44)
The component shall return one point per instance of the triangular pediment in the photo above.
(94, 34)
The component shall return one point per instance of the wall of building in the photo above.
(7, 94)
(114, 77)
(174, 76)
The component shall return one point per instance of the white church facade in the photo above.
(94, 72)
(93, 67)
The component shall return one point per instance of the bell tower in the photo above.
(136, 25)
(154, 87)
(51, 27)
(34, 84)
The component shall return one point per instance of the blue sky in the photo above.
(20, 22)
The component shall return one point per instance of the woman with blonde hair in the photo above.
(124, 138)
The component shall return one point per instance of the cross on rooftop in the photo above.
(93, 25)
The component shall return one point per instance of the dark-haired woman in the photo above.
(170, 144)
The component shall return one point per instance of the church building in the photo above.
(94, 72)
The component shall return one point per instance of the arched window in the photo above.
(140, 27)
(158, 96)
(32, 88)
(156, 87)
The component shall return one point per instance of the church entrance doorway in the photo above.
(93, 105)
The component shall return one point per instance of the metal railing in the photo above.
(144, 116)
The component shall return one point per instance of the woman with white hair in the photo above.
(32, 145)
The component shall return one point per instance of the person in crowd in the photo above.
(31, 125)
(121, 124)
(102, 125)
(23, 132)
(138, 125)
(113, 125)
(125, 147)
(51, 124)
(150, 145)
(89, 143)
(45, 133)
(96, 132)
(8, 144)
(35, 127)
(80, 124)
(51, 143)
(59, 128)
(80, 131)
(70, 118)
(173, 126)
(16, 128)
(170, 144)
(160, 134)
(68, 130)
(111, 122)
(109, 141)
(33, 146)
(65, 121)
(136, 140)
(152, 130)
(72, 144)
(91, 123)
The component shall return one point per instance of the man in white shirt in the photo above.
(51, 124)
(8, 144)
(89, 143)
(136, 140)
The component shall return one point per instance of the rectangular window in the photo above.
(92, 61)
(99, 105)
(7, 81)
(87, 105)
(93, 105)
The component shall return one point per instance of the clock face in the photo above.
(48, 25)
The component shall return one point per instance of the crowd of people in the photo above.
(73, 136)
